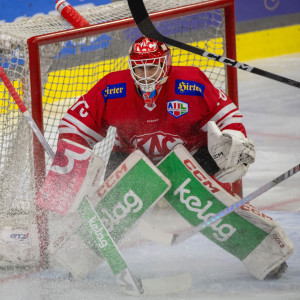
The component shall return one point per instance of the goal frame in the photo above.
(35, 73)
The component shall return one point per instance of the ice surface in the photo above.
(271, 114)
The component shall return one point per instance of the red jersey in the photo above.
(186, 102)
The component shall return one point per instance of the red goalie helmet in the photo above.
(149, 63)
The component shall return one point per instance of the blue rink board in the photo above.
(245, 10)
(169, 28)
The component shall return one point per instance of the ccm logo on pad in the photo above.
(200, 176)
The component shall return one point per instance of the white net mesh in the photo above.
(69, 69)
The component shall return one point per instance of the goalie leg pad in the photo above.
(273, 250)
(119, 202)
(78, 258)
(257, 241)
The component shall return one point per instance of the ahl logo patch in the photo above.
(177, 108)
(188, 87)
(113, 91)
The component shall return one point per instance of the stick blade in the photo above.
(154, 234)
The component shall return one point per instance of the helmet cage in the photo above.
(146, 82)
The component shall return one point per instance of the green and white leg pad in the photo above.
(254, 238)
(120, 202)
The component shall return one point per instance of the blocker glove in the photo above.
(232, 152)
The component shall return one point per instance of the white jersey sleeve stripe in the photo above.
(232, 114)
(74, 130)
(230, 121)
(88, 131)
(223, 113)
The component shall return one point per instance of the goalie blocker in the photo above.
(248, 234)
(74, 172)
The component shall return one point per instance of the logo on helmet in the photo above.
(145, 46)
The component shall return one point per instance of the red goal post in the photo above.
(36, 42)
(54, 67)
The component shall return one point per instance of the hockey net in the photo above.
(52, 71)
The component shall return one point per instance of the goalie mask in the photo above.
(149, 63)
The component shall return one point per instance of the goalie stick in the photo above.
(131, 285)
(40, 213)
(145, 25)
(160, 236)
(25, 112)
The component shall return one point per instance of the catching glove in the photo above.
(232, 152)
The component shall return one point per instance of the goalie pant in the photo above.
(248, 234)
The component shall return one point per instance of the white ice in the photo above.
(272, 116)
